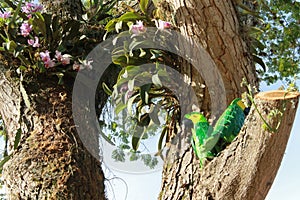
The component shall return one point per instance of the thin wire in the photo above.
(110, 172)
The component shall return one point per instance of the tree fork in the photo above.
(247, 167)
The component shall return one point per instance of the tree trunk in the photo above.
(50, 161)
(215, 25)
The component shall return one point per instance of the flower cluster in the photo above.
(48, 62)
(64, 59)
(85, 64)
(35, 40)
(25, 29)
(139, 28)
(162, 25)
(5, 15)
(31, 8)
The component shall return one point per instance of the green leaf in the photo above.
(3, 161)
(119, 60)
(163, 73)
(246, 9)
(24, 95)
(259, 61)
(258, 44)
(125, 146)
(134, 156)
(118, 155)
(114, 126)
(121, 106)
(16, 13)
(136, 43)
(130, 16)
(161, 138)
(110, 26)
(39, 24)
(144, 5)
(11, 45)
(144, 120)
(131, 85)
(106, 89)
(55, 25)
(136, 138)
(17, 138)
(255, 30)
(128, 72)
(144, 92)
(156, 81)
(120, 35)
(129, 104)
(154, 114)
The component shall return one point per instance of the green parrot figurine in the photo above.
(206, 141)
(202, 139)
(230, 123)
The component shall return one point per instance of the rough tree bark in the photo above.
(50, 161)
(215, 25)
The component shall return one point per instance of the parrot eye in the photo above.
(246, 111)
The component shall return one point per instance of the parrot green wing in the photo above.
(231, 121)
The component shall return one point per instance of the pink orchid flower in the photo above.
(162, 25)
(58, 55)
(5, 15)
(138, 28)
(87, 64)
(46, 59)
(25, 29)
(34, 42)
(31, 8)
(64, 59)
(49, 63)
(45, 56)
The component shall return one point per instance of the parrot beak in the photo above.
(187, 123)
(246, 111)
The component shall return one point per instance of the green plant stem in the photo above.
(250, 95)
